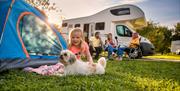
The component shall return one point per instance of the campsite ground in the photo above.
(120, 76)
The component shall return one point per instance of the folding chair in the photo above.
(135, 53)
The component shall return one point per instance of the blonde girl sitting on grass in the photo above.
(78, 46)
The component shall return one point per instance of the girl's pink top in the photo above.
(80, 52)
(84, 51)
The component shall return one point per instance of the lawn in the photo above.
(119, 76)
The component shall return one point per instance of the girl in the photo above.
(78, 46)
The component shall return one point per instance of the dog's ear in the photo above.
(72, 59)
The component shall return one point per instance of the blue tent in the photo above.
(26, 38)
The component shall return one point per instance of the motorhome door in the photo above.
(123, 34)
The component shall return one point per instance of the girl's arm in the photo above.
(87, 53)
(89, 57)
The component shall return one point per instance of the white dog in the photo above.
(75, 66)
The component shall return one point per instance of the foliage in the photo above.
(160, 36)
(120, 76)
(176, 32)
(44, 5)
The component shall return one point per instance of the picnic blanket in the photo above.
(57, 69)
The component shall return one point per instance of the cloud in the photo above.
(126, 1)
(170, 23)
(166, 12)
(80, 8)
(131, 1)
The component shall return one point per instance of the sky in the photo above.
(164, 12)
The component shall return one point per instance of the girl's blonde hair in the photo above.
(82, 37)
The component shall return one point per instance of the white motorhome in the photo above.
(120, 20)
(175, 46)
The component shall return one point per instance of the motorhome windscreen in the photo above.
(122, 30)
(120, 11)
(38, 37)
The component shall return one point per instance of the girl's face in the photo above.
(76, 38)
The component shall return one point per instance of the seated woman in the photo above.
(111, 45)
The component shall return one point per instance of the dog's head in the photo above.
(67, 57)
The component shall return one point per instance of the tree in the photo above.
(176, 35)
(48, 9)
(160, 36)
(164, 42)
(44, 5)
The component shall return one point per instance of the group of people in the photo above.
(112, 46)
(80, 48)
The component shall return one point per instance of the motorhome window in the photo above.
(120, 11)
(122, 30)
(77, 25)
(100, 26)
(64, 25)
(127, 32)
(38, 37)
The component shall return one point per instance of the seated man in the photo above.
(134, 43)
(96, 44)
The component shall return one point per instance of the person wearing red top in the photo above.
(78, 46)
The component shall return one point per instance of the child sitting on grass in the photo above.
(78, 46)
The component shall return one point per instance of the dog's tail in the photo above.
(102, 61)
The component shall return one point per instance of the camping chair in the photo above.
(135, 53)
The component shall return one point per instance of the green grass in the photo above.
(119, 76)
